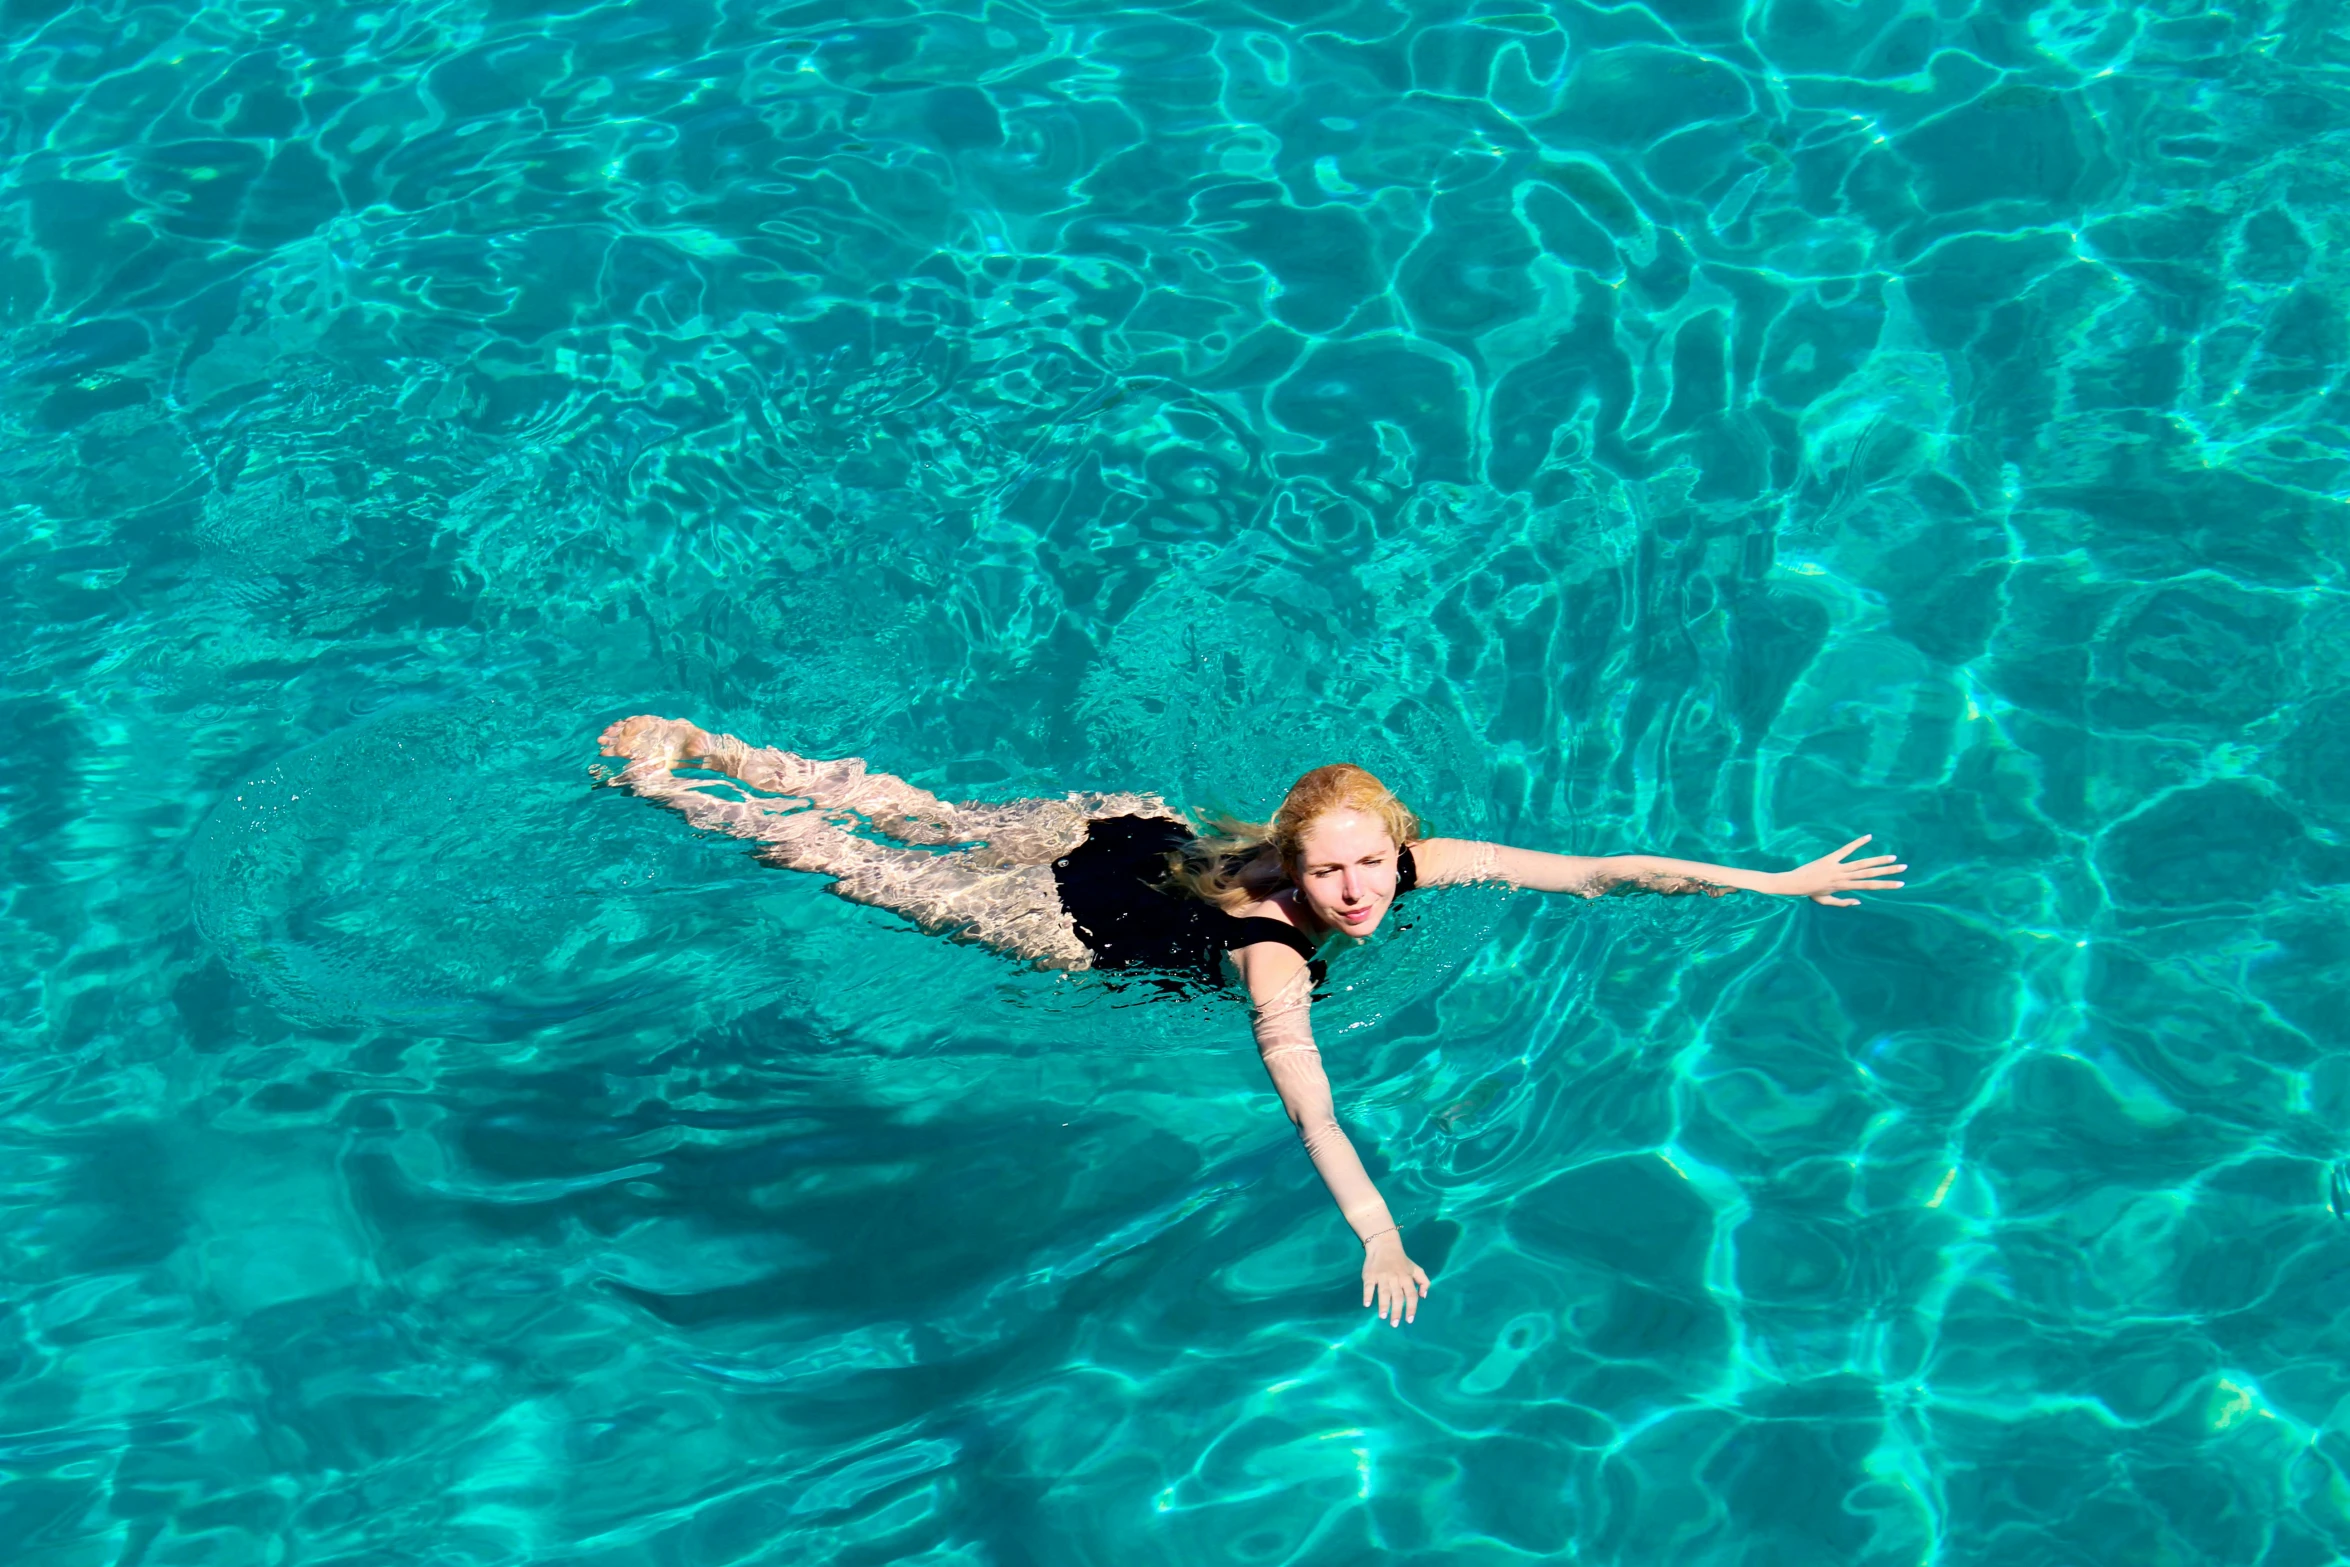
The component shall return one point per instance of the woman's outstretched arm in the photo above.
(1282, 991)
(1449, 860)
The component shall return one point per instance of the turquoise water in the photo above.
(1710, 430)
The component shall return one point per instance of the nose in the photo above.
(1353, 889)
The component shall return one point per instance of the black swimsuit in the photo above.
(1109, 884)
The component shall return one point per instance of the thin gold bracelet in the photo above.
(1392, 1229)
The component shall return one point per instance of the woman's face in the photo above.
(1346, 871)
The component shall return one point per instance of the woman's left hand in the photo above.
(1830, 874)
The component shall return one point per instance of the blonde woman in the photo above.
(1120, 881)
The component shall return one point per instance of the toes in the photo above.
(644, 737)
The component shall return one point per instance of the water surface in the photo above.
(1720, 431)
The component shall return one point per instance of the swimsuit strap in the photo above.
(1256, 928)
(1236, 933)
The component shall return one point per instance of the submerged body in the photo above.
(1122, 881)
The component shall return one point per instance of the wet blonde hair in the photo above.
(1235, 862)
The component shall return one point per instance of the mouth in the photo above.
(1355, 919)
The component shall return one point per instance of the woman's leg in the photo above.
(1015, 909)
(1015, 832)
(971, 893)
(894, 806)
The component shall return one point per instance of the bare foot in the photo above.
(654, 742)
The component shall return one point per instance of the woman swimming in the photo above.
(1121, 881)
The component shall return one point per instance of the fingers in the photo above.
(1399, 1297)
(1854, 844)
(1401, 1305)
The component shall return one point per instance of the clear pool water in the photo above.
(1710, 429)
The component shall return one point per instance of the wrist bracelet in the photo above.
(1392, 1229)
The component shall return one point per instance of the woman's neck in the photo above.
(1302, 915)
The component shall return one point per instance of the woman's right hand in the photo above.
(1392, 1278)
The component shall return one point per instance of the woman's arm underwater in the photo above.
(1444, 861)
(1282, 991)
